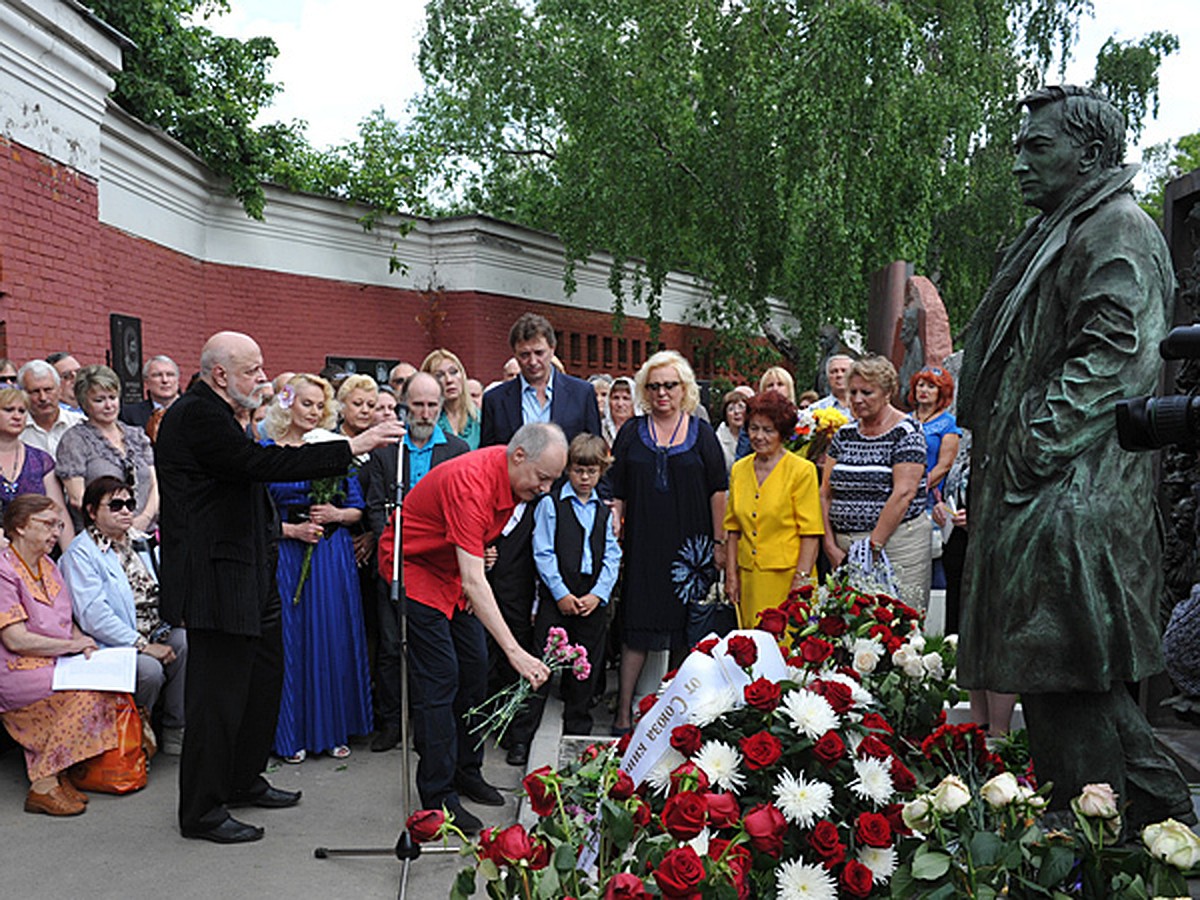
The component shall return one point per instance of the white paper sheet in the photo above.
(109, 669)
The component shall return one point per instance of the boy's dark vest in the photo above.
(568, 544)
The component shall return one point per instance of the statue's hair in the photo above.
(1087, 116)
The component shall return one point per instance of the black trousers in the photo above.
(590, 631)
(513, 580)
(388, 660)
(232, 704)
(446, 660)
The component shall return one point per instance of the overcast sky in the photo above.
(340, 59)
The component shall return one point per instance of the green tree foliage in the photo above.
(1164, 162)
(202, 89)
(775, 148)
(1127, 71)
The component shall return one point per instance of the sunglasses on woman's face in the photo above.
(117, 504)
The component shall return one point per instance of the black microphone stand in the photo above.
(405, 849)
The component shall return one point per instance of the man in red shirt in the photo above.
(459, 507)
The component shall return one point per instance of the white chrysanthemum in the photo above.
(810, 713)
(659, 776)
(803, 802)
(874, 781)
(711, 705)
(880, 860)
(720, 762)
(859, 694)
(797, 881)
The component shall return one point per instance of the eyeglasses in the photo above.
(52, 524)
(116, 504)
(933, 370)
(653, 387)
(8, 379)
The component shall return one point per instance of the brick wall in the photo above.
(62, 273)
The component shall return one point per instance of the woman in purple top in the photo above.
(25, 469)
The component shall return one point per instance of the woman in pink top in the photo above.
(56, 728)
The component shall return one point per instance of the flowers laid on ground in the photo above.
(983, 831)
(494, 715)
(814, 429)
(810, 759)
(877, 638)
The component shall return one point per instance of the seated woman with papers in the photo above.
(115, 598)
(56, 728)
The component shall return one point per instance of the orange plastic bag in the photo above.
(121, 770)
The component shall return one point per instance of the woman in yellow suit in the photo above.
(773, 517)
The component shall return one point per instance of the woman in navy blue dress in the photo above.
(326, 684)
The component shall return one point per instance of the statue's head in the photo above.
(1069, 135)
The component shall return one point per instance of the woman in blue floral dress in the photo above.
(669, 482)
(326, 684)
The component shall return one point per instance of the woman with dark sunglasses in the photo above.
(669, 483)
(114, 595)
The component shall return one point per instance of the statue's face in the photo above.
(1048, 164)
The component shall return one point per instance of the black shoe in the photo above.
(465, 821)
(385, 739)
(473, 787)
(231, 831)
(271, 798)
(518, 754)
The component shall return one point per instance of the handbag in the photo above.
(122, 769)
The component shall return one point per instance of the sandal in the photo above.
(296, 758)
(341, 751)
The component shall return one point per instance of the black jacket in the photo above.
(378, 478)
(218, 523)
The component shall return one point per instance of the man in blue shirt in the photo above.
(577, 558)
(425, 446)
(538, 394)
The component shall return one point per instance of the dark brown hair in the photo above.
(529, 326)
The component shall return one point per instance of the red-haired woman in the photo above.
(773, 521)
(930, 392)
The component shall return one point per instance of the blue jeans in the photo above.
(447, 667)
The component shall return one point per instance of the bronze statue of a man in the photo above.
(1063, 569)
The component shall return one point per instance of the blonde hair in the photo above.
(691, 392)
(9, 394)
(277, 420)
(464, 403)
(879, 371)
(779, 373)
(355, 383)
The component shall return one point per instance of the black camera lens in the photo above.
(1149, 423)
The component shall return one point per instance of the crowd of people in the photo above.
(610, 507)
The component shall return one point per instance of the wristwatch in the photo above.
(141, 644)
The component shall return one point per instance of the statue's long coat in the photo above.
(1063, 569)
